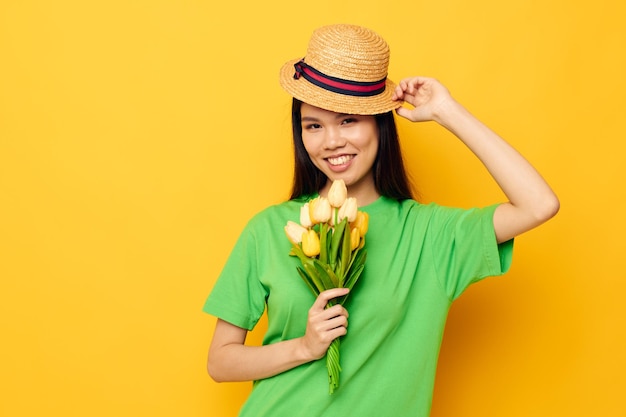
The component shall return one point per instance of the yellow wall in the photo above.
(137, 138)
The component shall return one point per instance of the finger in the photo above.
(409, 97)
(337, 332)
(339, 321)
(404, 83)
(326, 296)
(326, 325)
(333, 327)
(402, 87)
(408, 84)
(326, 337)
(332, 312)
(404, 112)
(418, 80)
(398, 92)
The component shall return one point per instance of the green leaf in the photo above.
(324, 243)
(297, 250)
(354, 276)
(333, 366)
(329, 236)
(358, 257)
(326, 274)
(315, 278)
(336, 242)
(351, 281)
(346, 251)
(309, 282)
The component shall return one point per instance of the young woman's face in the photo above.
(342, 146)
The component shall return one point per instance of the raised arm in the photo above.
(231, 360)
(531, 200)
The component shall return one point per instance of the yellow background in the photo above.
(138, 137)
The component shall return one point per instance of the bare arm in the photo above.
(531, 200)
(231, 360)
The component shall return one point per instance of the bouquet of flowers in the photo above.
(329, 241)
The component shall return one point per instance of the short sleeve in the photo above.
(238, 296)
(465, 248)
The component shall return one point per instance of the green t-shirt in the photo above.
(419, 259)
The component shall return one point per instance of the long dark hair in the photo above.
(390, 177)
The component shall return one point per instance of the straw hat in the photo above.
(344, 70)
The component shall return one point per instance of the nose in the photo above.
(334, 139)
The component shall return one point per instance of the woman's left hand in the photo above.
(531, 200)
(426, 95)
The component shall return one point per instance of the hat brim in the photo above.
(316, 96)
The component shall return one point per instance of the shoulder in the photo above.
(433, 215)
(402, 208)
(277, 214)
(434, 209)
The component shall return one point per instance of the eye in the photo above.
(311, 126)
(348, 120)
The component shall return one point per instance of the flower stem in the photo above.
(332, 364)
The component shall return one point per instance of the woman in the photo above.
(420, 257)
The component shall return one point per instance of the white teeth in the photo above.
(340, 160)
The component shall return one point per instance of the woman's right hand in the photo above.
(230, 359)
(324, 324)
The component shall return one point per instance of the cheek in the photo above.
(375, 146)
(309, 146)
(368, 144)
(312, 150)
(370, 152)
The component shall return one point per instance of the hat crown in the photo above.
(344, 71)
(348, 52)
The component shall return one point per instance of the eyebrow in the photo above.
(315, 119)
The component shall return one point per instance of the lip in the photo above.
(339, 162)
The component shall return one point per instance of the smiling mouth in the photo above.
(340, 160)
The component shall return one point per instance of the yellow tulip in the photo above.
(311, 243)
(355, 238)
(348, 209)
(294, 232)
(319, 210)
(337, 193)
(305, 217)
(361, 222)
